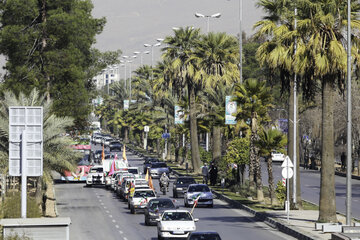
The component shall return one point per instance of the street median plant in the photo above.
(12, 206)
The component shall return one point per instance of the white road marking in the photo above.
(114, 221)
(117, 226)
(110, 216)
(102, 203)
(107, 211)
(121, 232)
(125, 238)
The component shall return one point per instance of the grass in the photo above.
(11, 208)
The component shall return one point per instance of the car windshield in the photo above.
(113, 143)
(96, 170)
(177, 216)
(141, 182)
(185, 181)
(207, 236)
(133, 171)
(144, 194)
(199, 188)
(161, 204)
(158, 165)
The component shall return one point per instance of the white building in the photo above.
(107, 76)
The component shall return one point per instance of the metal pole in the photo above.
(130, 84)
(348, 140)
(208, 20)
(141, 60)
(125, 76)
(23, 175)
(240, 40)
(152, 61)
(295, 110)
(207, 141)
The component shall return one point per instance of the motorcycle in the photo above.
(164, 187)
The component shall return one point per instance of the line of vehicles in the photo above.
(130, 184)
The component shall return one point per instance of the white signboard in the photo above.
(179, 113)
(287, 173)
(287, 163)
(230, 109)
(31, 120)
(146, 129)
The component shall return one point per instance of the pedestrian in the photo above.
(213, 174)
(312, 162)
(343, 161)
(306, 161)
(205, 173)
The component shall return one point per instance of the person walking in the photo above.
(205, 173)
(213, 174)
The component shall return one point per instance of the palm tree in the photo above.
(57, 156)
(271, 140)
(254, 100)
(322, 59)
(217, 56)
(179, 51)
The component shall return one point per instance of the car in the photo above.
(124, 189)
(198, 190)
(155, 208)
(181, 184)
(119, 179)
(147, 163)
(106, 141)
(140, 198)
(175, 224)
(98, 140)
(95, 176)
(140, 182)
(115, 146)
(113, 179)
(277, 157)
(158, 168)
(204, 236)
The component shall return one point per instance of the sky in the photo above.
(132, 23)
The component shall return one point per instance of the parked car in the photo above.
(140, 199)
(115, 146)
(204, 236)
(95, 176)
(158, 168)
(155, 208)
(277, 157)
(147, 163)
(181, 185)
(196, 190)
(176, 224)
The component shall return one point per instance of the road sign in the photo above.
(146, 128)
(165, 135)
(287, 163)
(31, 120)
(287, 173)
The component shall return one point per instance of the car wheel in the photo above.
(159, 237)
(211, 205)
(132, 210)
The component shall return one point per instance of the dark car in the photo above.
(147, 163)
(204, 236)
(181, 184)
(97, 154)
(115, 146)
(155, 208)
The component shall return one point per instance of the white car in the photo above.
(95, 176)
(201, 192)
(140, 199)
(175, 224)
(277, 157)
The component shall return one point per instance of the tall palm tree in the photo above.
(217, 57)
(271, 140)
(254, 100)
(179, 50)
(322, 59)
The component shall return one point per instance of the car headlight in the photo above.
(179, 188)
(152, 214)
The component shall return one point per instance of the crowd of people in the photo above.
(211, 173)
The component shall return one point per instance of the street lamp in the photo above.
(152, 55)
(141, 55)
(215, 15)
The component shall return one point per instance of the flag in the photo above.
(112, 168)
(196, 199)
(103, 154)
(124, 156)
(151, 183)
(147, 175)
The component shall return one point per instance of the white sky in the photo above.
(131, 23)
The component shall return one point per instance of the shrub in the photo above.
(280, 192)
(12, 207)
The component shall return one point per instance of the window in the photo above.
(177, 216)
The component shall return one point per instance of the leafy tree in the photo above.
(48, 46)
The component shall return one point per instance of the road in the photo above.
(97, 213)
(310, 188)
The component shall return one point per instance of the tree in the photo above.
(271, 140)
(254, 99)
(179, 51)
(48, 46)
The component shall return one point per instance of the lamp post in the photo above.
(152, 55)
(130, 63)
(141, 55)
(215, 15)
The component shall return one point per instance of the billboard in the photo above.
(178, 115)
(230, 111)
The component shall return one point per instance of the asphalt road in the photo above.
(97, 213)
(310, 187)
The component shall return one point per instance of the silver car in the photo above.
(199, 193)
(158, 168)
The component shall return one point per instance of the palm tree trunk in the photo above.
(327, 205)
(38, 191)
(216, 148)
(271, 181)
(158, 146)
(195, 153)
(256, 160)
(126, 135)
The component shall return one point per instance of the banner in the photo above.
(230, 109)
(178, 115)
(126, 104)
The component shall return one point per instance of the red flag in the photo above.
(112, 168)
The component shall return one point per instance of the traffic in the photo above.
(135, 186)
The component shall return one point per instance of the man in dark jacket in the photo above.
(213, 174)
